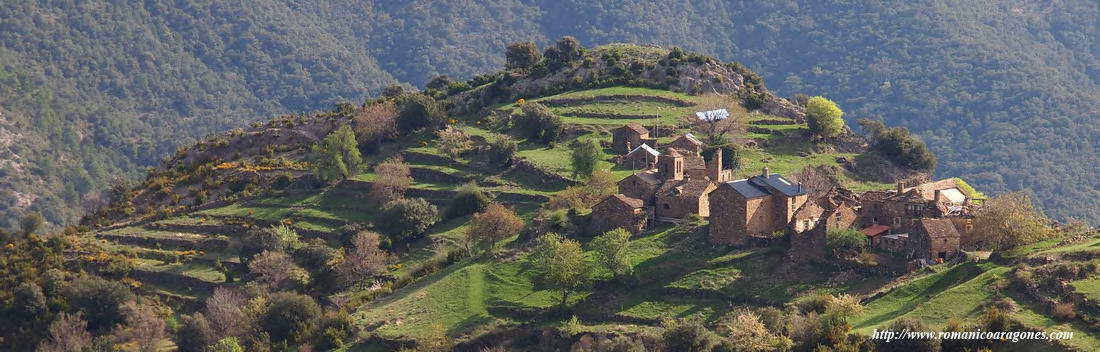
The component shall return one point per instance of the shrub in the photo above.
(99, 299)
(454, 141)
(67, 333)
(910, 344)
(418, 111)
(469, 199)
(228, 344)
(688, 335)
(194, 333)
(29, 300)
(502, 150)
(1064, 311)
(275, 238)
(539, 124)
(406, 218)
(844, 242)
(290, 316)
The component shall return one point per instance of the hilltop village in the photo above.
(923, 223)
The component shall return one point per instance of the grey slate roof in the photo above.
(757, 186)
(747, 189)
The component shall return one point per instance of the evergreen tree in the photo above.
(586, 156)
(337, 157)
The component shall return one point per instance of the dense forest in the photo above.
(1002, 91)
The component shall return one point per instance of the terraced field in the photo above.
(680, 274)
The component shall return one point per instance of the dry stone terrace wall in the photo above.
(360, 188)
(617, 98)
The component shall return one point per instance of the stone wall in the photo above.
(609, 215)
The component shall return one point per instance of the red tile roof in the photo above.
(876, 230)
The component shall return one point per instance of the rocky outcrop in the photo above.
(777, 106)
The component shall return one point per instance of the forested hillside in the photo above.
(1003, 91)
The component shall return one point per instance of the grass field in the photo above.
(957, 292)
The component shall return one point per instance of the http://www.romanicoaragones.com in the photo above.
(1014, 336)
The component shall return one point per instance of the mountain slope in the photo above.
(1003, 91)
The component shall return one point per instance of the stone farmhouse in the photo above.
(671, 185)
(921, 222)
(924, 222)
(758, 206)
(632, 135)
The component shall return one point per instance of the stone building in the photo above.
(756, 206)
(837, 209)
(678, 199)
(618, 211)
(641, 185)
(688, 144)
(632, 135)
(934, 239)
(643, 157)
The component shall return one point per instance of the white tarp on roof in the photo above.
(646, 148)
(953, 195)
(692, 138)
(713, 115)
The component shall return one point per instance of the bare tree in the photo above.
(376, 123)
(143, 327)
(718, 130)
(393, 179)
(225, 312)
(816, 180)
(69, 332)
(276, 270)
(363, 259)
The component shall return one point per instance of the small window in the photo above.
(666, 206)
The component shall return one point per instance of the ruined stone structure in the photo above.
(619, 211)
(837, 209)
(924, 222)
(680, 198)
(756, 206)
(630, 136)
(642, 185)
(688, 144)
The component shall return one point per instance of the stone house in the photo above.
(680, 198)
(934, 239)
(837, 209)
(619, 211)
(687, 143)
(756, 206)
(640, 185)
(643, 157)
(627, 137)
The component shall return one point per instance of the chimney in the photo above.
(628, 147)
(800, 186)
(766, 173)
(901, 187)
(714, 168)
(936, 196)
